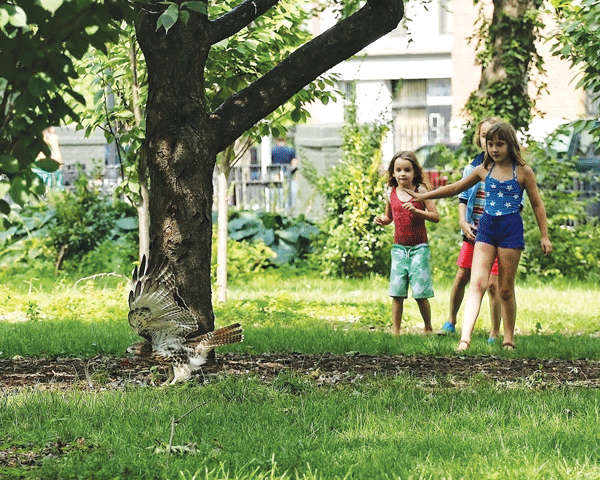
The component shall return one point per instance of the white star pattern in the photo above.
(509, 187)
(507, 204)
(492, 204)
(498, 213)
(500, 194)
(515, 197)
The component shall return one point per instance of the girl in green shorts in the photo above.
(410, 253)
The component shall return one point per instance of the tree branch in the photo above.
(238, 18)
(348, 37)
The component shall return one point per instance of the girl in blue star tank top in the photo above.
(500, 232)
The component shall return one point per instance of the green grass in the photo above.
(246, 428)
(243, 428)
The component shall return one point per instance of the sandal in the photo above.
(459, 349)
(508, 346)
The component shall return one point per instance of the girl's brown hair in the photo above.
(418, 179)
(491, 121)
(505, 132)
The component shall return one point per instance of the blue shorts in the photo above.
(505, 231)
(410, 265)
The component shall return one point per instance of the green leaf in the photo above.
(9, 164)
(168, 18)
(127, 223)
(16, 15)
(200, 7)
(51, 5)
(47, 164)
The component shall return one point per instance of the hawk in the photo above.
(159, 314)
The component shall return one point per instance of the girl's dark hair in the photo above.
(505, 132)
(418, 180)
(491, 121)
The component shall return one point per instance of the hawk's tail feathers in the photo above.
(223, 336)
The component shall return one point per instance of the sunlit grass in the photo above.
(305, 314)
(290, 428)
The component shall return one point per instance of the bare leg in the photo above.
(483, 258)
(397, 308)
(508, 261)
(495, 308)
(458, 291)
(425, 310)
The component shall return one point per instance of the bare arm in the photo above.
(452, 189)
(465, 226)
(539, 210)
(430, 213)
(386, 218)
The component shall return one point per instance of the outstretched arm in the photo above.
(242, 110)
(452, 189)
(430, 213)
(538, 208)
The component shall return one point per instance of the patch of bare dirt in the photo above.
(116, 372)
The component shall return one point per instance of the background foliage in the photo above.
(354, 190)
(39, 41)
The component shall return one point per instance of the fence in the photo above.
(269, 190)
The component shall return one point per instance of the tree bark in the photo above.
(183, 138)
(507, 22)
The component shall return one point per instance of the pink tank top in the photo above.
(409, 229)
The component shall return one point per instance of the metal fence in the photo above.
(269, 189)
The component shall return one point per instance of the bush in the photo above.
(289, 238)
(351, 244)
(575, 237)
(79, 231)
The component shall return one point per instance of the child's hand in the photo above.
(409, 206)
(469, 230)
(546, 245)
(382, 220)
(417, 196)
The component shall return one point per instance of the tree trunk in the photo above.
(183, 139)
(180, 149)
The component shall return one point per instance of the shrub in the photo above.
(289, 238)
(351, 244)
(67, 230)
(575, 237)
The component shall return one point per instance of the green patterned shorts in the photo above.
(411, 265)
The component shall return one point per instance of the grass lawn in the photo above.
(246, 428)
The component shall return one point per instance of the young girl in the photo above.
(410, 253)
(470, 209)
(500, 231)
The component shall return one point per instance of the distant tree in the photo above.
(507, 53)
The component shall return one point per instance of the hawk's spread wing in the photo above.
(156, 311)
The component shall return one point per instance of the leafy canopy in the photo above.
(38, 41)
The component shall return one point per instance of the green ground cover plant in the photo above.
(243, 427)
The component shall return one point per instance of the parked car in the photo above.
(437, 162)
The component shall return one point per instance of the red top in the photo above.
(409, 228)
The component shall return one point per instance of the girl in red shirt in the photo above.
(410, 253)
